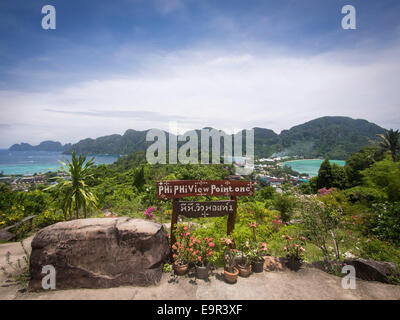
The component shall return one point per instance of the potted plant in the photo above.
(256, 251)
(295, 251)
(231, 273)
(201, 250)
(244, 262)
(180, 250)
(256, 254)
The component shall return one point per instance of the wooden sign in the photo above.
(204, 209)
(195, 209)
(193, 188)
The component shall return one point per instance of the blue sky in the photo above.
(114, 65)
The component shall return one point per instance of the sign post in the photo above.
(177, 189)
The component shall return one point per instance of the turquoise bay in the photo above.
(309, 166)
(30, 162)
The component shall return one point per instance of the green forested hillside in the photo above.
(333, 137)
(43, 146)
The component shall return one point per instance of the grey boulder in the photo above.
(100, 253)
(371, 270)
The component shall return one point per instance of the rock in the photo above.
(100, 253)
(273, 264)
(371, 270)
(6, 236)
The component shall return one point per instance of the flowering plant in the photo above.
(230, 255)
(181, 248)
(277, 223)
(325, 191)
(257, 250)
(148, 214)
(201, 250)
(294, 247)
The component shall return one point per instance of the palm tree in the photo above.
(75, 193)
(390, 141)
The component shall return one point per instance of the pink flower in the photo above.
(211, 244)
(228, 241)
(149, 210)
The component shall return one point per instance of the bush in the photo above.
(384, 175)
(386, 221)
(321, 219)
(285, 204)
(47, 218)
(365, 194)
(380, 251)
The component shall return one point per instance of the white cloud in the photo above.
(209, 87)
(168, 6)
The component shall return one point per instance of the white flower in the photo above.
(348, 254)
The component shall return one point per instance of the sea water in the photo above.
(30, 162)
(310, 167)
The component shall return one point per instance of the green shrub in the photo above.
(321, 217)
(285, 204)
(380, 251)
(47, 218)
(386, 222)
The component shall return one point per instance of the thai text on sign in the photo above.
(205, 209)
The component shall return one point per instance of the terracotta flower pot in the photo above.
(258, 266)
(244, 271)
(231, 277)
(181, 269)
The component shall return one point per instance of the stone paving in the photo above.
(307, 283)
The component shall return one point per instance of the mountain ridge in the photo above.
(331, 136)
(47, 145)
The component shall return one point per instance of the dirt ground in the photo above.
(307, 283)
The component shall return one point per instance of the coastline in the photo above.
(308, 166)
(283, 161)
(20, 163)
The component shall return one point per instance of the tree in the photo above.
(139, 179)
(75, 193)
(306, 188)
(390, 142)
(265, 193)
(320, 222)
(285, 204)
(384, 176)
(359, 161)
(339, 178)
(325, 175)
